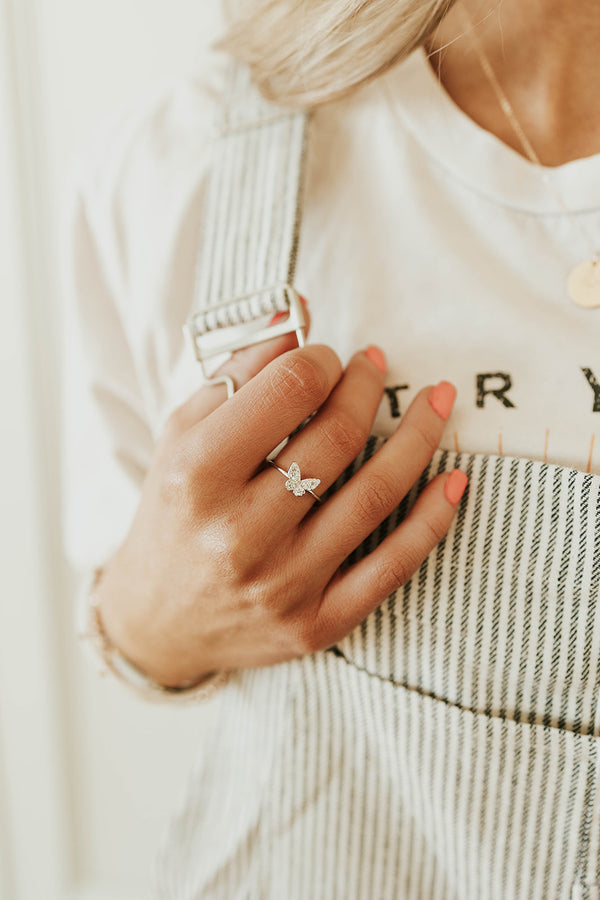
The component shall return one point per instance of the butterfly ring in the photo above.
(294, 483)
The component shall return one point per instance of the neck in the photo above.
(545, 55)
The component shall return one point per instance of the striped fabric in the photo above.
(449, 747)
(252, 208)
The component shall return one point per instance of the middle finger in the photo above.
(327, 444)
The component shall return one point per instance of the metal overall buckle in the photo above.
(228, 326)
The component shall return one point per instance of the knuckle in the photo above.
(233, 560)
(427, 436)
(176, 486)
(326, 350)
(394, 572)
(299, 627)
(310, 643)
(299, 375)
(175, 425)
(180, 477)
(436, 529)
(257, 594)
(343, 434)
(230, 562)
(376, 496)
(304, 637)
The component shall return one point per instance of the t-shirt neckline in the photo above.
(477, 157)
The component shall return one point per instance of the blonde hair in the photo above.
(302, 53)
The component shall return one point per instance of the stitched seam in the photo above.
(450, 703)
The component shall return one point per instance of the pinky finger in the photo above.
(355, 592)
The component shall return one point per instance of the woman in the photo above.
(424, 721)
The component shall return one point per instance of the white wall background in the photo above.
(88, 774)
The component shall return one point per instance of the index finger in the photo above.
(244, 429)
(243, 365)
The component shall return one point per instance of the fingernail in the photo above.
(455, 486)
(303, 300)
(278, 317)
(441, 397)
(376, 356)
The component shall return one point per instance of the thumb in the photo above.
(243, 365)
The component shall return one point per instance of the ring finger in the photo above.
(374, 491)
(327, 444)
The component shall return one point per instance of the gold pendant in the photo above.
(583, 283)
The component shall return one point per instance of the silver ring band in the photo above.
(295, 483)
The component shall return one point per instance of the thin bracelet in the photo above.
(125, 671)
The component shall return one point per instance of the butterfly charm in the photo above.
(299, 485)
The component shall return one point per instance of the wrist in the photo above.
(127, 633)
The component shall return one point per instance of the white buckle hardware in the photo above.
(227, 326)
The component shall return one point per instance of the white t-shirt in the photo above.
(421, 233)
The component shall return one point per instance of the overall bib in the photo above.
(449, 747)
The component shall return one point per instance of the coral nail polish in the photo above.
(277, 317)
(376, 356)
(441, 397)
(455, 486)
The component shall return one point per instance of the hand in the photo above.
(223, 567)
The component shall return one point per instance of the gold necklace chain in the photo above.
(584, 292)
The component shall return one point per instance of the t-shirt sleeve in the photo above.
(107, 439)
(107, 429)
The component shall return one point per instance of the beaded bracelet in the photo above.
(113, 661)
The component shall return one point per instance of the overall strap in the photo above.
(252, 217)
